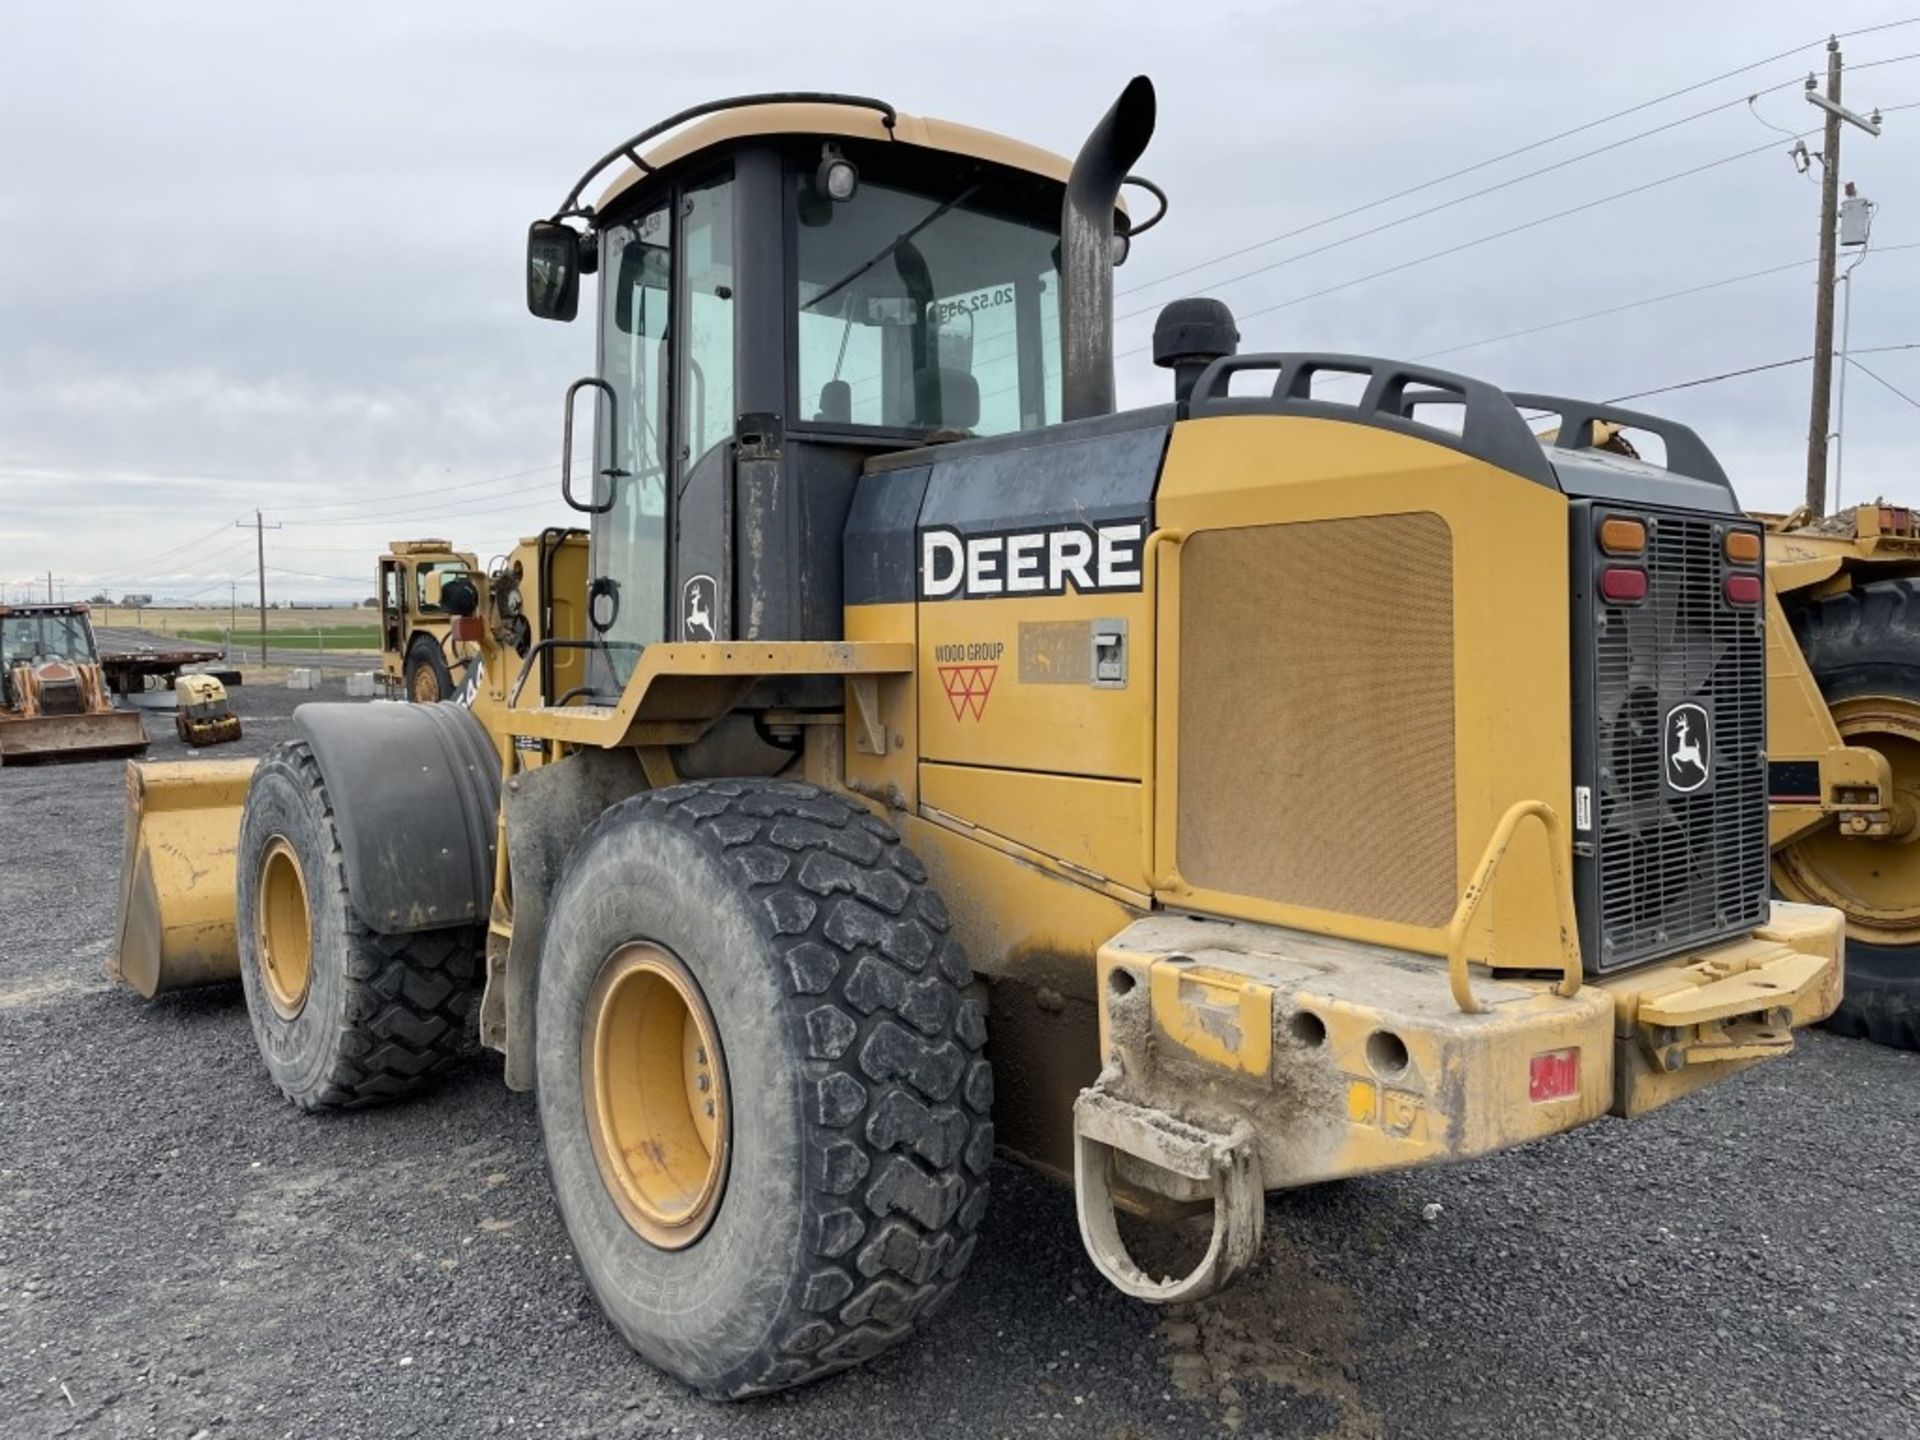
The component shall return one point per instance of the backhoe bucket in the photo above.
(177, 886)
(71, 737)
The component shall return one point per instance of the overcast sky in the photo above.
(267, 255)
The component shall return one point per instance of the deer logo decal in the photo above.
(697, 605)
(1688, 748)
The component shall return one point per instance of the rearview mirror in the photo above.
(553, 270)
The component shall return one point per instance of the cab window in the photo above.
(919, 311)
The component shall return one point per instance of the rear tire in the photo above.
(857, 1131)
(428, 679)
(344, 1017)
(1864, 650)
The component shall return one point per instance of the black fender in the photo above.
(416, 800)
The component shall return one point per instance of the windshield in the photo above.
(45, 637)
(447, 569)
(926, 313)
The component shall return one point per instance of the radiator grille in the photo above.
(62, 697)
(1316, 715)
(1676, 865)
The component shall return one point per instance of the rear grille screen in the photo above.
(1316, 745)
(1673, 754)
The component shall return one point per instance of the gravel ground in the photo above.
(181, 1254)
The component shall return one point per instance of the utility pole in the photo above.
(51, 582)
(1820, 421)
(260, 528)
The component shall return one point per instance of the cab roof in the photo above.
(853, 122)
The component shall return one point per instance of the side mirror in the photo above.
(553, 270)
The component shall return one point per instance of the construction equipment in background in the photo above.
(1307, 789)
(54, 699)
(203, 716)
(1843, 745)
(417, 655)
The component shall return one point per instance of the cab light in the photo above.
(1623, 583)
(1743, 589)
(1622, 537)
(1742, 547)
(1553, 1075)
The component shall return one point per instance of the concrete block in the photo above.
(363, 684)
(303, 677)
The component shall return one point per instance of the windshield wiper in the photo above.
(898, 240)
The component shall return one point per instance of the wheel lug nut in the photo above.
(705, 1085)
(709, 1109)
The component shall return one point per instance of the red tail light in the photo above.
(1743, 589)
(1623, 583)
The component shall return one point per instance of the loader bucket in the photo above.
(177, 884)
(71, 737)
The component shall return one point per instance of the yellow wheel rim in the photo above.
(284, 930)
(426, 685)
(654, 1084)
(1875, 883)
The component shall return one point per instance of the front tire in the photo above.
(848, 1167)
(344, 1017)
(1864, 650)
(428, 679)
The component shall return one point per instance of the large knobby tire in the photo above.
(1864, 650)
(852, 1173)
(428, 679)
(344, 1017)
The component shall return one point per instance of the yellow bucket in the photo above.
(176, 925)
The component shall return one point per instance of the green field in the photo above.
(326, 637)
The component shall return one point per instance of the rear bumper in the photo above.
(1338, 1058)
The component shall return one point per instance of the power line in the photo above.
(148, 575)
(429, 515)
(1431, 210)
(439, 487)
(1512, 154)
(1880, 380)
(1757, 369)
(1496, 235)
(1642, 303)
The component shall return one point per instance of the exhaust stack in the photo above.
(1086, 250)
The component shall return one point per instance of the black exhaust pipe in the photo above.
(1086, 250)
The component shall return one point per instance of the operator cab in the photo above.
(788, 287)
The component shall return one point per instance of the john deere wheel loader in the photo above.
(1291, 789)
(54, 699)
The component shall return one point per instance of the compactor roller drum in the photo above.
(345, 1017)
(766, 1111)
(1864, 650)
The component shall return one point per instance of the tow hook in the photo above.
(1227, 1164)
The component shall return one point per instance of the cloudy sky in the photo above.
(267, 255)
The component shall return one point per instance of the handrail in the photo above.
(1570, 972)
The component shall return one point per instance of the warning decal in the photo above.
(968, 687)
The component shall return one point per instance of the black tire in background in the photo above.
(378, 1015)
(427, 678)
(1867, 643)
(859, 1124)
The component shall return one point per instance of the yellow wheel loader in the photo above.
(417, 656)
(1843, 713)
(917, 759)
(54, 698)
